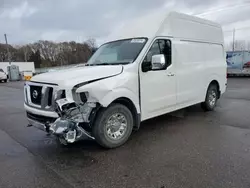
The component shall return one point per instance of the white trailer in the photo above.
(23, 66)
(238, 62)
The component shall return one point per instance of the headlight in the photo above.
(84, 96)
(81, 97)
(60, 94)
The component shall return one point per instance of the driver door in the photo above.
(158, 87)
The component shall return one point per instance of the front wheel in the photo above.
(113, 126)
(5, 80)
(211, 98)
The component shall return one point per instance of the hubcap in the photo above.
(116, 126)
(212, 98)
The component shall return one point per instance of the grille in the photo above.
(36, 94)
(41, 96)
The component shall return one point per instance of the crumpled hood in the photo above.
(73, 76)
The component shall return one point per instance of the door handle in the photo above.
(170, 74)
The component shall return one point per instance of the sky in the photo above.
(27, 21)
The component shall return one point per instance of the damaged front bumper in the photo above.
(69, 130)
(68, 127)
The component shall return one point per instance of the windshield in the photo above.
(118, 52)
(1, 70)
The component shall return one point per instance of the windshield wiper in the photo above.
(102, 64)
(114, 63)
(98, 64)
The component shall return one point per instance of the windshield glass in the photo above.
(1, 70)
(118, 52)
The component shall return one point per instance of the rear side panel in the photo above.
(191, 70)
(198, 64)
(216, 65)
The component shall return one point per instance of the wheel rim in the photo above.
(212, 98)
(116, 126)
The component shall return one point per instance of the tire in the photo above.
(5, 80)
(211, 98)
(104, 135)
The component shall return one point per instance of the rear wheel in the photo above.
(113, 126)
(5, 80)
(211, 98)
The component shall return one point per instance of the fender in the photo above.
(213, 77)
(107, 90)
(118, 93)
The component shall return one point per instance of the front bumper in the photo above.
(37, 124)
(53, 125)
(70, 122)
(40, 122)
(44, 113)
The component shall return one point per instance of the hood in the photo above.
(73, 76)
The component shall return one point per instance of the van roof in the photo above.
(171, 24)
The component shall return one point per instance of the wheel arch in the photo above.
(130, 105)
(216, 83)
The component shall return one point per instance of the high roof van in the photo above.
(149, 67)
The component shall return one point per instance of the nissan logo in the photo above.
(35, 94)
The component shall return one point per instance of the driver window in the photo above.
(160, 46)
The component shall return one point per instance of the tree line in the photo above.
(49, 54)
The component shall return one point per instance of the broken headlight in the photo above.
(71, 110)
(81, 98)
(60, 94)
(84, 96)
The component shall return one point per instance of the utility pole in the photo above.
(8, 50)
(61, 58)
(233, 38)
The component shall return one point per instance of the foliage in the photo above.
(48, 54)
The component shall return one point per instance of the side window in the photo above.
(160, 46)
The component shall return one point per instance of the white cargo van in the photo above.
(154, 65)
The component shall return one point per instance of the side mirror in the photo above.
(158, 62)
